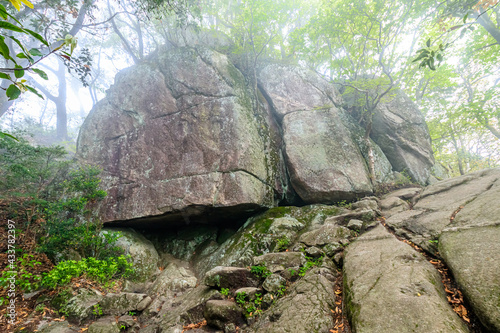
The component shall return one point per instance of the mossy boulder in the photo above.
(262, 234)
(142, 252)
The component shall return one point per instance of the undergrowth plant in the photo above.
(260, 271)
(60, 195)
(282, 243)
(310, 263)
(251, 307)
(102, 271)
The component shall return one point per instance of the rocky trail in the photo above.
(315, 268)
(253, 211)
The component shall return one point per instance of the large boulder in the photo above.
(200, 145)
(141, 251)
(401, 132)
(325, 150)
(178, 134)
(325, 163)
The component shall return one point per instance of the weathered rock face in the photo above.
(325, 164)
(196, 146)
(190, 139)
(462, 215)
(326, 156)
(382, 272)
(306, 308)
(295, 89)
(402, 134)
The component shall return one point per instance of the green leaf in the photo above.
(42, 74)
(4, 49)
(439, 57)
(37, 36)
(7, 135)
(34, 91)
(431, 64)
(5, 76)
(3, 12)
(13, 92)
(19, 73)
(428, 43)
(21, 56)
(421, 56)
(465, 17)
(10, 26)
(36, 53)
(23, 48)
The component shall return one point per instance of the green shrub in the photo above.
(260, 271)
(25, 280)
(225, 292)
(101, 271)
(251, 308)
(282, 243)
(69, 221)
(311, 262)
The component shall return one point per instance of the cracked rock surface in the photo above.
(182, 138)
(462, 215)
(306, 308)
(392, 288)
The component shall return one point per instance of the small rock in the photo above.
(332, 248)
(314, 252)
(267, 301)
(219, 314)
(126, 321)
(82, 305)
(30, 295)
(273, 283)
(356, 225)
(326, 234)
(305, 308)
(104, 325)
(56, 327)
(285, 223)
(144, 303)
(277, 262)
(339, 258)
(122, 303)
(173, 279)
(366, 203)
(230, 277)
(291, 273)
(250, 292)
(155, 306)
(344, 242)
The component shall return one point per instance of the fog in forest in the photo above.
(443, 54)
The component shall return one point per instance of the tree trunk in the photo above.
(488, 25)
(371, 156)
